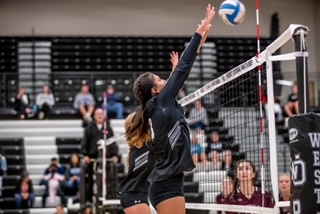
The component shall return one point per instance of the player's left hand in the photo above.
(174, 59)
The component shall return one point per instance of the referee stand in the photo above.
(110, 184)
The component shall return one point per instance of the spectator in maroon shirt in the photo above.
(285, 191)
(227, 187)
(245, 192)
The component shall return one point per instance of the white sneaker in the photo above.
(41, 115)
(87, 118)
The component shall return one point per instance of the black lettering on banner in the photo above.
(238, 69)
(246, 64)
(304, 136)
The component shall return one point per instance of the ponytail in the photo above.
(137, 128)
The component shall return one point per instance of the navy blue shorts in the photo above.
(160, 191)
(129, 199)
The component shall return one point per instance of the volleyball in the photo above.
(232, 12)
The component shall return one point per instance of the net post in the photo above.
(82, 188)
(272, 130)
(302, 69)
(104, 148)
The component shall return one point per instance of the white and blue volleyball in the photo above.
(232, 12)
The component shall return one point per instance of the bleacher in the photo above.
(70, 62)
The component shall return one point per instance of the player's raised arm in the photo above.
(188, 57)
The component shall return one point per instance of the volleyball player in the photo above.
(170, 132)
(134, 188)
(244, 190)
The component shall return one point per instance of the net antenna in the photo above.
(104, 148)
(256, 61)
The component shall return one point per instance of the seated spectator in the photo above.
(292, 106)
(55, 161)
(60, 209)
(227, 187)
(45, 101)
(74, 174)
(218, 151)
(24, 195)
(244, 190)
(285, 191)
(84, 102)
(198, 117)
(23, 104)
(197, 151)
(53, 188)
(114, 102)
(3, 168)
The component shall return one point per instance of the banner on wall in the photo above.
(304, 138)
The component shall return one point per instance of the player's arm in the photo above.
(181, 73)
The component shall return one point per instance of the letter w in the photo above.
(315, 139)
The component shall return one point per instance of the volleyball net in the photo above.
(232, 119)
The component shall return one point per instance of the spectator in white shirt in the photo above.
(198, 117)
(45, 101)
(84, 102)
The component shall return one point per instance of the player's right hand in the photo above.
(205, 25)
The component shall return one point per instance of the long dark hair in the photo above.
(71, 163)
(138, 129)
(236, 180)
(135, 136)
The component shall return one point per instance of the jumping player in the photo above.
(161, 113)
(134, 188)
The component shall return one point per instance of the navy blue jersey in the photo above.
(140, 166)
(171, 137)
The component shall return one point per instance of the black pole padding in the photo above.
(302, 70)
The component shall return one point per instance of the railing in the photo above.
(9, 83)
(97, 81)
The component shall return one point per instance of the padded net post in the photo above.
(82, 188)
(302, 69)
